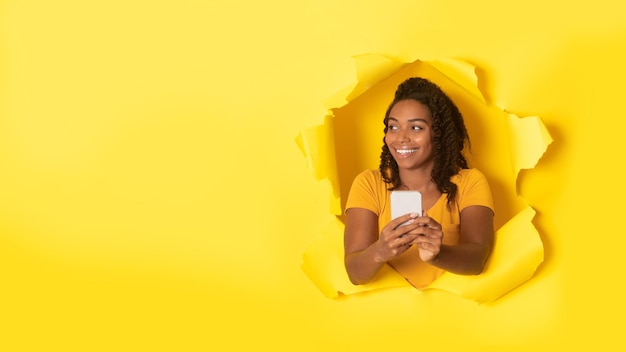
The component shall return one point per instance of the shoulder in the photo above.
(368, 191)
(473, 188)
(371, 180)
(468, 176)
(369, 176)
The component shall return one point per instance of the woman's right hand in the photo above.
(395, 239)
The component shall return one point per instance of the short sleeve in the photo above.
(364, 192)
(474, 190)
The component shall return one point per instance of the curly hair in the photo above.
(448, 135)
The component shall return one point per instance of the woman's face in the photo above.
(409, 134)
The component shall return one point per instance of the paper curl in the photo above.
(503, 144)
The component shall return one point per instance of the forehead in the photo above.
(410, 109)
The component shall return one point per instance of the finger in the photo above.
(428, 223)
(389, 231)
(415, 232)
(399, 243)
(406, 239)
(411, 230)
(428, 246)
(405, 229)
(436, 241)
(404, 219)
(431, 233)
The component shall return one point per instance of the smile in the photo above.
(405, 151)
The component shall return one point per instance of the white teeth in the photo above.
(406, 151)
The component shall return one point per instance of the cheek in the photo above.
(425, 138)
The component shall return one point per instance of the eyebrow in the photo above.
(411, 120)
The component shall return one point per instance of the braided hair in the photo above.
(448, 136)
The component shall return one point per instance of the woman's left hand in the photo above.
(430, 237)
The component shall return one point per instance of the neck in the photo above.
(418, 180)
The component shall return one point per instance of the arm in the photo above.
(366, 251)
(476, 239)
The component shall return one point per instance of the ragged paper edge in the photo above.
(516, 254)
(461, 73)
(317, 143)
(328, 274)
(529, 139)
(332, 279)
(370, 70)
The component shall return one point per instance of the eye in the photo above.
(416, 128)
(392, 127)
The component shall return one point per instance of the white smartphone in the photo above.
(405, 202)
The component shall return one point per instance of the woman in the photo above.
(424, 139)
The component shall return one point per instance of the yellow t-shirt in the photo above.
(369, 191)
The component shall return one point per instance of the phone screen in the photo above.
(405, 202)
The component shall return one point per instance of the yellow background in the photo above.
(152, 196)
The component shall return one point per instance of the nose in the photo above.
(403, 136)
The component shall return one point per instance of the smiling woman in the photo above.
(423, 151)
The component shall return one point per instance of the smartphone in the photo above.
(404, 202)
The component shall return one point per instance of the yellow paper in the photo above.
(318, 146)
(327, 275)
(517, 252)
(529, 139)
(371, 69)
(502, 145)
(153, 198)
(461, 73)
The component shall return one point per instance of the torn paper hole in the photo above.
(502, 144)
